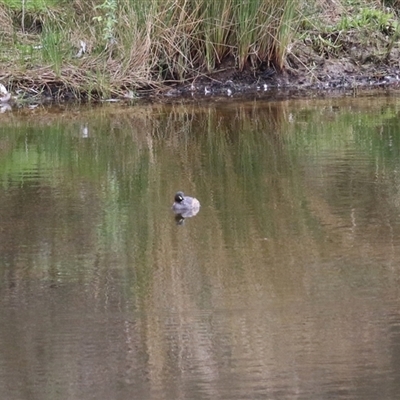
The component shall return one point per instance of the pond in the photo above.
(285, 285)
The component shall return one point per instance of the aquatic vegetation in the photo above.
(139, 44)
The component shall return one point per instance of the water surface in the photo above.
(285, 285)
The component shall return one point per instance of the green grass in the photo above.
(361, 30)
(30, 5)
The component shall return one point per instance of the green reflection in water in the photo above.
(93, 187)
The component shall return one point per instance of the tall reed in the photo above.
(145, 43)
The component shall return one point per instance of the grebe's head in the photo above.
(179, 197)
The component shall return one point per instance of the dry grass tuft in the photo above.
(6, 23)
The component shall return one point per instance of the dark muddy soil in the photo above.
(329, 77)
(353, 61)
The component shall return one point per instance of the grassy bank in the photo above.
(135, 44)
(106, 48)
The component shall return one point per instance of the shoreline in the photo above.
(227, 84)
(343, 46)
